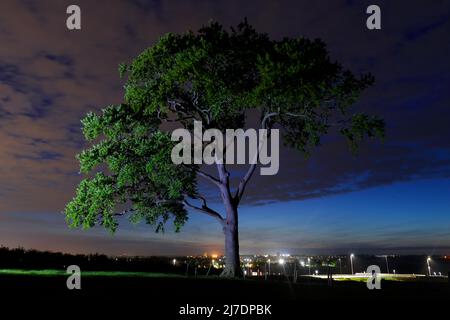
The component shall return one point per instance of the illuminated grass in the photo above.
(53, 272)
(360, 279)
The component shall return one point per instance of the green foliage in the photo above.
(213, 76)
(135, 153)
(361, 125)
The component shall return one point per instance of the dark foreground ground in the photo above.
(165, 296)
(213, 289)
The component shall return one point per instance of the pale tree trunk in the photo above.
(230, 230)
(230, 226)
(230, 222)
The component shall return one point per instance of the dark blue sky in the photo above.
(391, 197)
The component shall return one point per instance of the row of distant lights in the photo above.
(352, 256)
(282, 262)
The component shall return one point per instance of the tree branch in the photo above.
(124, 212)
(208, 177)
(203, 174)
(241, 188)
(296, 115)
(205, 209)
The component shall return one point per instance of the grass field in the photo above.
(53, 272)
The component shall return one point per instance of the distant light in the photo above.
(302, 263)
(214, 256)
(317, 271)
(268, 260)
(434, 273)
(393, 271)
(428, 259)
(281, 261)
(352, 255)
(174, 261)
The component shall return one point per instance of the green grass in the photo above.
(126, 274)
(53, 272)
(352, 279)
(359, 279)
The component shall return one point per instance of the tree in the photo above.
(214, 76)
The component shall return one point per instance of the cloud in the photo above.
(50, 77)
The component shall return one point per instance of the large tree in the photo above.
(214, 76)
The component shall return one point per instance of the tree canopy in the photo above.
(214, 76)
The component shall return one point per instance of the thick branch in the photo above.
(203, 174)
(241, 188)
(208, 177)
(224, 183)
(205, 209)
(243, 183)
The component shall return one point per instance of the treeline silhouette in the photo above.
(20, 258)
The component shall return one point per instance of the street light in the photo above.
(428, 265)
(387, 265)
(309, 266)
(351, 261)
(281, 262)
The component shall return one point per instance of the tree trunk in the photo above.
(230, 229)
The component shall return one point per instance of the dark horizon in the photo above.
(358, 252)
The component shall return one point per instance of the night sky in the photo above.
(391, 197)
